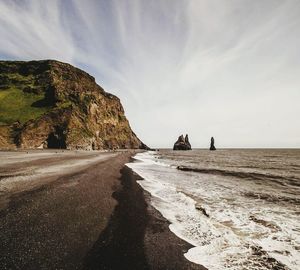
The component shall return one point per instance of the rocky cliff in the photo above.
(49, 104)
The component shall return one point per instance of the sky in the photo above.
(228, 69)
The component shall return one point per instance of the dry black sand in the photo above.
(96, 218)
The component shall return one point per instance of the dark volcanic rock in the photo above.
(182, 143)
(212, 144)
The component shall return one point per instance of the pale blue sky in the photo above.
(228, 69)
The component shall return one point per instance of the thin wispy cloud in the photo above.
(230, 69)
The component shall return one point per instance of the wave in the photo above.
(228, 227)
(244, 175)
(273, 198)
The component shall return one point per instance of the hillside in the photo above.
(49, 104)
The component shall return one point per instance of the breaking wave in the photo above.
(235, 219)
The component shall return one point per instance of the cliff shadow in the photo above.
(121, 243)
(41, 103)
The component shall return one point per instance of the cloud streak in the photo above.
(225, 68)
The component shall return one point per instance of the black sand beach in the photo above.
(97, 217)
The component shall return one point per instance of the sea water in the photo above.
(240, 209)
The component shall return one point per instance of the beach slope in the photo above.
(80, 210)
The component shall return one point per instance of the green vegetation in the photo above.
(64, 105)
(15, 105)
(20, 99)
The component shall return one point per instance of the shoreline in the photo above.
(203, 210)
(151, 244)
(97, 217)
(158, 230)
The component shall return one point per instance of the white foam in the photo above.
(229, 237)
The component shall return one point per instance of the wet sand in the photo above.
(81, 211)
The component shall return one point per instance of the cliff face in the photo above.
(51, 104)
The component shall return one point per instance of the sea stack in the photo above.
(212, 144)
(182, 143)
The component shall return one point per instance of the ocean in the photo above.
(239, 208)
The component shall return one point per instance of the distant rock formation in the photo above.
(212, 144)
(182, 143)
